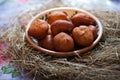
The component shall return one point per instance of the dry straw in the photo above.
(101, 63)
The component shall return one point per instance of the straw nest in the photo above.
(101, 63)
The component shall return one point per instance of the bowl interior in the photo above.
(70, 12)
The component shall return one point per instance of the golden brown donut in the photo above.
(63, 42)
(82, 19)
(94, 30)
(83, 36)
(61, 26)
(56, 15)
(38, 29)
(47, 42)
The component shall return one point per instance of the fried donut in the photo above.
(47, 42)
(61, 26)
(38, 29)
(82, 36)
(94, 30)
(82, 19)
(63, 42)
(56, 15)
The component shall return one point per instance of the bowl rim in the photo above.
(65, 54)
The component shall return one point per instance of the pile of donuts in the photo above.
(62, 33)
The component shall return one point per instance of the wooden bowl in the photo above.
(70, 12)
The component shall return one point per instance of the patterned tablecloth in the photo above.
(11, 8)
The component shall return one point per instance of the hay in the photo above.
(101, 63)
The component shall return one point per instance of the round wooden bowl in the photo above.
(70, 12)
